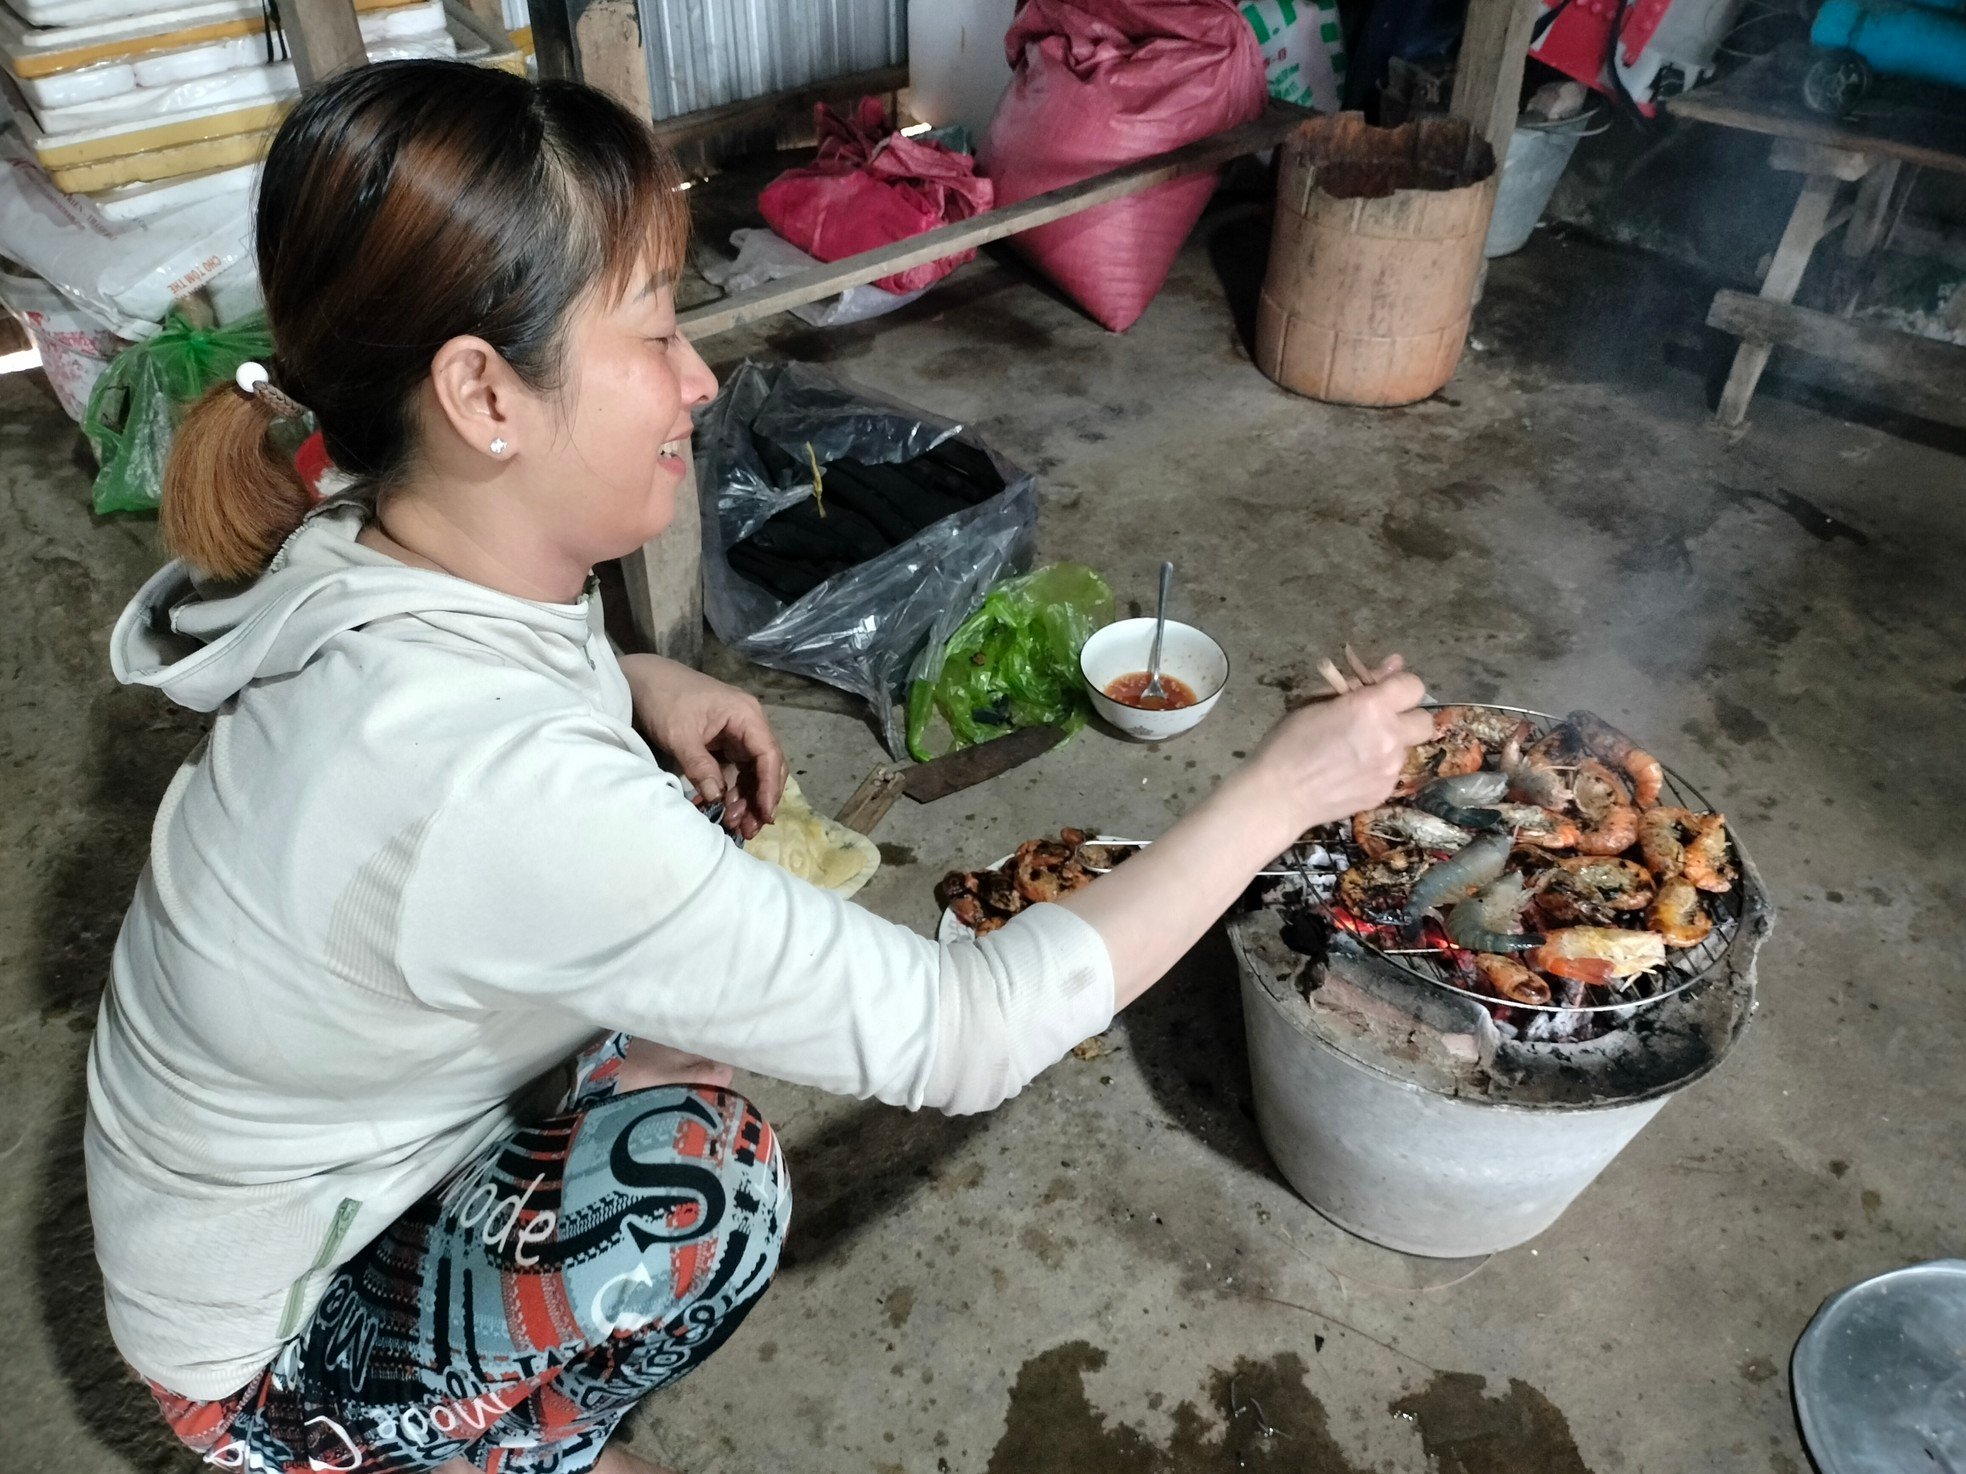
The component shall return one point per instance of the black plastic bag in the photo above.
(860, 629)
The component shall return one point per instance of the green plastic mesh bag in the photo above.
(1014, 662)
(140, 398)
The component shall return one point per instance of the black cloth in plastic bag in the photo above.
(860, 629)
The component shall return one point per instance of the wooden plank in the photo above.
(1488, 75)
(878, 792)
(1795, 157)
(323, 37)
(1903, 371)
(608, 50)
(1805, 229)
(1903, 121)
(781, 296)
(762, 112)
(665, 582)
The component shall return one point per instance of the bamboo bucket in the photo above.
(1375, 258)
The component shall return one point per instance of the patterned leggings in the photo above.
(515, 1314)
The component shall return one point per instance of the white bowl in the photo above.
(1120, 649)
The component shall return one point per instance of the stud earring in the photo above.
(498, 446)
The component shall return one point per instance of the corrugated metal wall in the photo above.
(703, 53)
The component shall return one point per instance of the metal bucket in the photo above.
(1538, 155)
(1382, 1119)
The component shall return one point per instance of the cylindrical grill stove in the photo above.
(1396, 1107)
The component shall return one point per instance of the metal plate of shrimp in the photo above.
(1430, 957)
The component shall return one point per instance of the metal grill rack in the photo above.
(1335, 852)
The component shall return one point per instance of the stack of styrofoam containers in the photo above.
(117, 92)
(126, 178)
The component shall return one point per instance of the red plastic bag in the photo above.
(870, 187)
(1101, 83)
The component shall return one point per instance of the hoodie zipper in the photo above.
(344, 1219)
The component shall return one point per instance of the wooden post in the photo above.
(322, 37)
(665, 579)
(1488, 76)
(490, 13)
(665, 582)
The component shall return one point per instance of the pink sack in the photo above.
(870, 187)
(1101, 83)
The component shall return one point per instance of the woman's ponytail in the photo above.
(231, 497)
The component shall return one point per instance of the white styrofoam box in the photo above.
(956, 67)
(166, 68)
(223, 92)
(85, 84)
(19, 39)
(78, 12)
(142, 201)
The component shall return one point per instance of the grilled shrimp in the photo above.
(1486, 921)
(1614, 747)
(1613, 834)
(1701, 857)
(1538, 825)
(1450, 753)
(1707, 865)
(1378, 831)
(1588, 890)
(1378, 890)
(1677, 915)
(1511, 979)
(1492, 729)
(1540, 775)
(1457, 799)
(1474, 867)
(1598, 954)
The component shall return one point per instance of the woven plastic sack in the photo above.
(1303, 50)
(1014, 662)
(869, 187)
(138, 402)
(1101, 83)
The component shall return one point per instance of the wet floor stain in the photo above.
(1739, 722)
(1758, 1369)
(1260, 1415)
(900, 1304)
(897, 854)
(1420, 536)
(1465, 1431)
(1872, 1201)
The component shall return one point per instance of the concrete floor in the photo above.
(1106, 1274)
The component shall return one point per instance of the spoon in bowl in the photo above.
(1154, 690)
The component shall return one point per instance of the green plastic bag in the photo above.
(143, 394)
(1015, 661)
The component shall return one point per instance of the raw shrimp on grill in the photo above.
(1486, 921)
(1462, 875)
(1461, 799)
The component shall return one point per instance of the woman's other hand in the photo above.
(717, 736)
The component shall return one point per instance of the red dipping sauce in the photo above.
(1127, 692)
